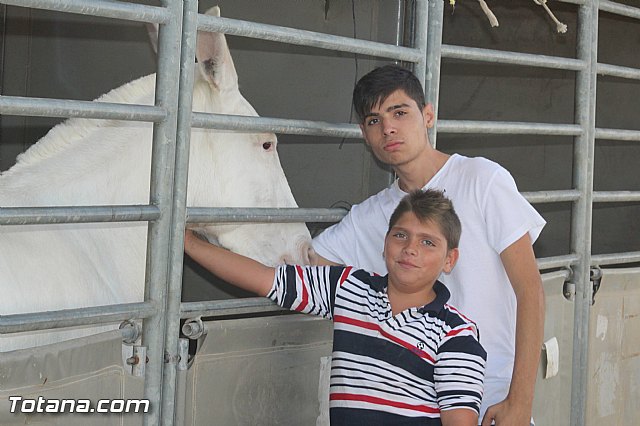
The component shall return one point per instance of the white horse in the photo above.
(101, 162)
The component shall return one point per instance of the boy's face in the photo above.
(416, 253)
(396, 129)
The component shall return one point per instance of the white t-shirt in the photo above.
(493, 215)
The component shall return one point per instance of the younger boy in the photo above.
(401, 354)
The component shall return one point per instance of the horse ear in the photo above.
(214, 59)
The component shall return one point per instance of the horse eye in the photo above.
(267, 146)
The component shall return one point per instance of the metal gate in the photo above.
(172, 118)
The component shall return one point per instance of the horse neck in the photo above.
(85, 161)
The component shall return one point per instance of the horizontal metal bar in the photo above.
(215, 308)
(578, 2)
(43, 107)
(619, 9)
(617, 134)
(16, 323)
(618, 71)
(561, 273)
(275, 125)
(511, 58)
(615, 258)
(508, 128)
(72, 214)
(564, 261)
(104, 8)
(266, 215)
(306, 38)
(552, 196)
(616, 196)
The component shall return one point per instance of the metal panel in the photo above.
(272, 369)
(551, 405)
(89, 368)
(614, 350)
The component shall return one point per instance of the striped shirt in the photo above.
(386, 369)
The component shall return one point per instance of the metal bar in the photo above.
(578, 2)
(72, 214)
(511, 58)
(306, 38)
(581, 222)
(615, 258)
(43, 107)
(318, 128)
(506, 128)
(551, 196)
(159, 233)
(420, 39)
(16, 323)
(216, 308)
(616, 196)
(104, 8)
(619, 9)
(557, 261)
(274, 125)
(619, 135)
(434, 56)
(618, 71)
(178, 214)
(263, 215)
(562, 273)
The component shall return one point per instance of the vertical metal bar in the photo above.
(434, 54)
(162, 162)
(587, 49)
(420, 38)
(178, 217)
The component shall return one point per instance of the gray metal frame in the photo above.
(580, 264)
(172, 118)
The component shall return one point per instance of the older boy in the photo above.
(497, 282)
(401, 354)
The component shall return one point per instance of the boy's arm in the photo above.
(236, 269)
(459, 417)
(522, 270)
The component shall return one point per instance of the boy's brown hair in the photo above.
(431, 205)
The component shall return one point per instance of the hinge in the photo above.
(569, 287)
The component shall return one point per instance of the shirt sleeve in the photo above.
(459, 369)
(508, 215)
(307, 289)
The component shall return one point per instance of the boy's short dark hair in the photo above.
(431, 205)
(376, 86)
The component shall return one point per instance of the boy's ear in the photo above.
(450, 261)
(429, 115)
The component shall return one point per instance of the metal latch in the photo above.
(569, 286)
(596, 279)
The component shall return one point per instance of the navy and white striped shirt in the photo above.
(386, 369)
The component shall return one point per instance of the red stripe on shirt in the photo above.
(382, 401)
(458, 331)
(345, 274)
(305, 295)
(375, 327)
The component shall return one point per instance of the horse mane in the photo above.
(65, 134)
